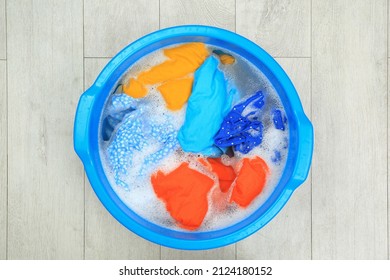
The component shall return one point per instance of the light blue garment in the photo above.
(118, 107)
(136, 131)
(207, 106)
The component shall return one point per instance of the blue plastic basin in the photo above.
(86, 135)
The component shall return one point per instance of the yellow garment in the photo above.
(183, 60)
(227, 59)
(136, 90)
(176, 92)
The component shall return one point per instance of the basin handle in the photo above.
(305, 152)
(82, 121)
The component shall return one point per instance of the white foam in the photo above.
(141, 198)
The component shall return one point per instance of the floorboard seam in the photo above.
(311, 117)
(84, 234)
(7, 130)
(387, 158)
(99, 57)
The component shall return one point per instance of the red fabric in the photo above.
(225, 173)
(184, 191)
(250, 181)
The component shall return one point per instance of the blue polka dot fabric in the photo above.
(136, 133)
(120, 105)
(242, 128)
(279, 119)
(167, 136)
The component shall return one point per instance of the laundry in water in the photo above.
(277, 157)
(176, 92)
(207, 106)
(224, 57)
(225, 173)
(250, 181)
(141, 139)
(184, 192)
(182, 61)
(134, 133)
(278, 119)
(242, 127)
(119, 107)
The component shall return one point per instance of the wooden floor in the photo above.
(335, 51)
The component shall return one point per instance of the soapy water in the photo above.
(140, 196)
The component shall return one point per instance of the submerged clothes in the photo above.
(184, 192)
(247, 184)
(120, 106)
(250, 181)
(225, 58)
(134, 134)
(225, 173)
(207, 106)
(241, 128)
(183, 60)
(176, 92)
(278, 119)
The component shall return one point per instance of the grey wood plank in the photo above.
(288, 235)
(349, 107)
(388, 155)
(224, 253)
(205, 12)
(109, 26)
(281, 27)
(3, 161)
(3, 32)
(45, 80)
(105, 238)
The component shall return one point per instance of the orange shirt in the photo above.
(183, 60)
(250, 181)
(184, 192)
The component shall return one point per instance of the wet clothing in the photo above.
(133, 133)
(208, 104)
(184, 192)
(210, 128)
(119, 106)
(182, 61)
(279, 119)
(225, 173)
(225, 58)
(176, 92)
(242, 128)
(250, 181)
